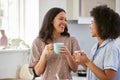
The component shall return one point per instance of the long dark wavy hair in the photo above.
(47, 27)
(107, 21)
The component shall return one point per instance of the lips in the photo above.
(62, 26)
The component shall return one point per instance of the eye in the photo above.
(91, 22)
(62, 18)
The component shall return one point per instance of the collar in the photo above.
(105, 42)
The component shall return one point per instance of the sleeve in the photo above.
(111, 60)
(36, 52)
(74, 44)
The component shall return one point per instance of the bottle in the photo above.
(3, 40)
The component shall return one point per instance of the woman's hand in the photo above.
(81, 58)
(64, 50)
(48, 49)
(76, 57)
(40, 66)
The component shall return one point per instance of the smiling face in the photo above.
(93, 28)
(59, 23)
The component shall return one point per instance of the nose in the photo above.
(64, 22)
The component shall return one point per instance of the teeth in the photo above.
(62, 26)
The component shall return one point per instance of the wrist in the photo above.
(68, 55)
(43, 56)
(87, 62)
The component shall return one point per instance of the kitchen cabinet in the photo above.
(87, 5)
(73, 9)
(118, 6)
(81, 8)
(10, 62)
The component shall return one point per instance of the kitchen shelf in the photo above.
(84, 20)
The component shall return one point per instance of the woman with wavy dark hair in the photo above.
(104, 60)
(43, 60)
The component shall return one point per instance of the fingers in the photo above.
(49, 49)
(64, 49)
(78, 55)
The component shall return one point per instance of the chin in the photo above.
(62, 31)
(93, 35)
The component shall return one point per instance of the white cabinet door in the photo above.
(73, 9)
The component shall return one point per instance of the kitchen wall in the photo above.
(82, 33)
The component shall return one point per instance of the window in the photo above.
(20, 19)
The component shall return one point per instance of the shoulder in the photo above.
(113, 49)
(112, 46)
(37, 41)
(73, 38)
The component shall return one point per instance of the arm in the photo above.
(74, 47)
(76, 58)
(37, 59)
(107, 74)
(72, 63)
(69, 58)
(40, 66)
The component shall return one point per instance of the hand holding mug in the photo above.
(81, 58)
(64, 50)
(48, 49)
(76, 56)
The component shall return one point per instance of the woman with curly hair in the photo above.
(103, 62)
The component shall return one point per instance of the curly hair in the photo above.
(107, 21)
(47, 28)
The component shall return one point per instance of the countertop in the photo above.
(74, 78)
(79, 78)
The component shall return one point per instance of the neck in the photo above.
(100, 41)
(56, 35)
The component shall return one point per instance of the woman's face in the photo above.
(93, 28)
(59, 22)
